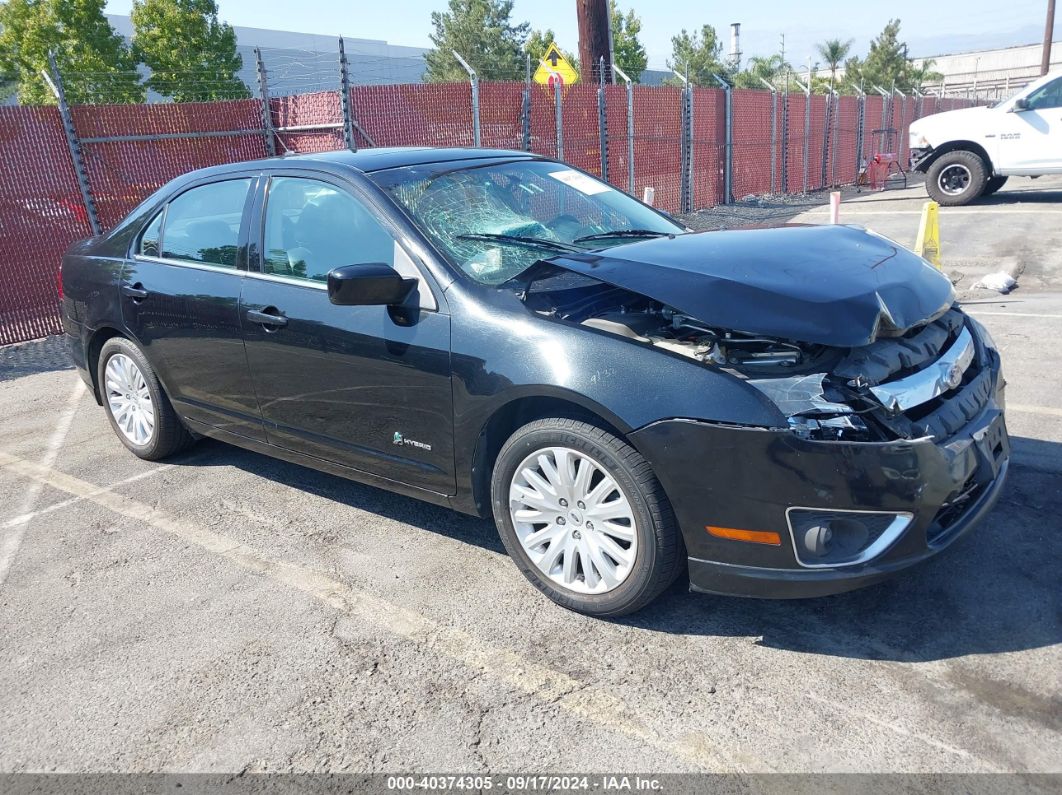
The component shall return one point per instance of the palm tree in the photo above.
(768, 67)
(833, 52)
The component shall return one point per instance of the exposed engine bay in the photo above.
(826, 392)
(642, 319)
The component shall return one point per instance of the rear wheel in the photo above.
(584, 518)
(138, 409)
(994, 184)
(956, 178)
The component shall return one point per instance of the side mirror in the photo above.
(1019, 105)
(368, 284)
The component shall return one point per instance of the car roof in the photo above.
(378, 159)
(375, 159)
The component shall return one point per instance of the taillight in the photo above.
(59, 283)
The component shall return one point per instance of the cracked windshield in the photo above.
(496, 221)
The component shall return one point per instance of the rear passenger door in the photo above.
(180, 299)
(366, 387)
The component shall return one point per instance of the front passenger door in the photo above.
(367, 387)
(1031, 140)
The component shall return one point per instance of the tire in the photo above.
(956, 178)
(608, 575)
(132, 383)
(993, 185)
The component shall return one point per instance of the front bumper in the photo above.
(917, 156)
(748, 477)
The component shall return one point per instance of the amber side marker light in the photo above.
(751, 536)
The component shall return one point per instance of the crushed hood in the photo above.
(832, 285)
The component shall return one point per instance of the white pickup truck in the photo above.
(970, 152)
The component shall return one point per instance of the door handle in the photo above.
(269, 317)
(135, 291)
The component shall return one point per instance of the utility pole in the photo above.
(594, 34)
(1049, 34)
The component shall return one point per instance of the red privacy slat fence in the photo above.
(128, 151)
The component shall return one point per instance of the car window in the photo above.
(149, 239)
(312, 227)
(495, 221)
(203, 224)
(1049, 96)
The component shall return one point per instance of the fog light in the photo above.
(842, 538)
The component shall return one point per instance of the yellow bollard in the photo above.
(928, 242)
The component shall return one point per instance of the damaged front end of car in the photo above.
(892, 443)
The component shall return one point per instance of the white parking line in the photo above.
(12, 539)
(1009, 314)
(847, 212)
(536, 680)
(28, 517)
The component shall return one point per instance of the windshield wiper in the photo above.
(519, 240)
(617, 233)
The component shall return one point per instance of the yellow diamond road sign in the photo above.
(555, 67)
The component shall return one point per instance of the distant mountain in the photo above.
(800, 44)
(944, 44)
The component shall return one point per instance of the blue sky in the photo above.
(930, 28)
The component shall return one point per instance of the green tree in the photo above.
(886, 64)
(192, 55)
(923, 73)
(95, 64)
(771, 68)
(537, 44)
(627, 50)
(701, 53)
(833, 52)
(483, 33)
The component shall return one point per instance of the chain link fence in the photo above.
(71, 171)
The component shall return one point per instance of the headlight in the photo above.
(917, 140)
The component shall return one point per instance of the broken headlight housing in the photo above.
(812, 410)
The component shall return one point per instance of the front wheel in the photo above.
(584, 518)
(956, 178)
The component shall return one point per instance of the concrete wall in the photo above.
(1000, 71)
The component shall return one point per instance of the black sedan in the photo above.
(782, 412)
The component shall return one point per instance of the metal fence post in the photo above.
(826, 120)
(861, 124)
(630, 127)
(785, 142)
(344, 100)
(774, 134)
(525, 108)
(836, 138)
(267, 113)
(685, 147)
(602, 119)
(558, 99)
(728, 138)
(886, 106)
(899, 127)
(689, 143)
(55, 82)
(473, 79)
(807, 130)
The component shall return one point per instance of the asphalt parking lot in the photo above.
(227, 612)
